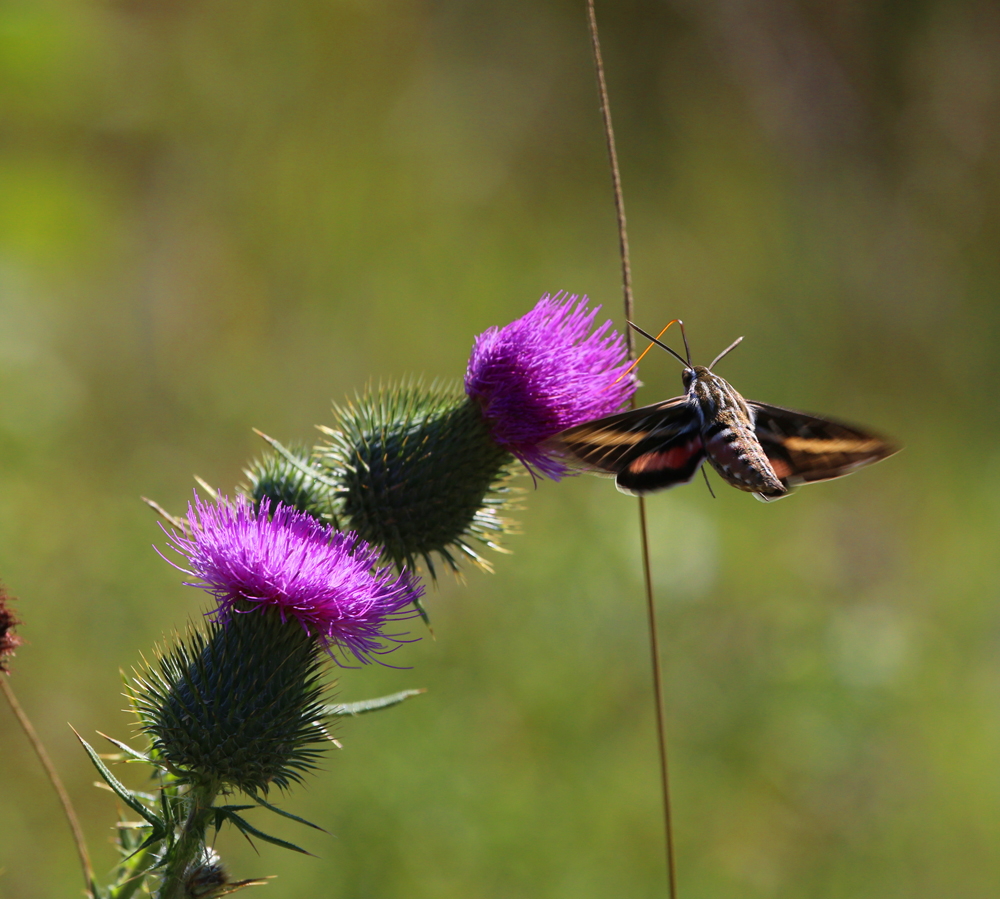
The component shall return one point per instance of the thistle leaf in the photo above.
(249, 830)
(128, 750)
(285, 814)
(353, 709)
(120, 790)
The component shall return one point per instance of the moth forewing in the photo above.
(604, 446)
(804, 448)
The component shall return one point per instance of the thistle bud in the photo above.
(290, 480)
(207, 877)
(236, 706)
(424, 472)
(419, 474)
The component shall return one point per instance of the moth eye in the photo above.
(687, 377)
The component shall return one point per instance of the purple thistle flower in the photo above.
(327, 580)
(9, 641)
(545, 372)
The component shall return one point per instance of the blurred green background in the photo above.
(221, 215)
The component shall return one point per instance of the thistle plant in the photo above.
(238, 705)
(9, 640)
(315, 562)
(415, 473)
(425, 472)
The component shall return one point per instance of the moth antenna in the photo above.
(656, 340)
(637, 361)
(728, 349)
(687, 349)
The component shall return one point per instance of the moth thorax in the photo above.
(713, 395)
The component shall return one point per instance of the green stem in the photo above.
(616, 183)
(43, 757)
(189, 843)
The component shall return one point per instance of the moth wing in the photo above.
(647, 449)
(659, 464)
(605, 445)
(804, 448)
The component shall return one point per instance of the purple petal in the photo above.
(545, 372)
(327, 580)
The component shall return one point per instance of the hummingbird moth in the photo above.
(763, 449)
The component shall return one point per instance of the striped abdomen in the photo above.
(728, 435)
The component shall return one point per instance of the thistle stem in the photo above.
(644, 539)
(57, 785)
(661, 715)
(188, 844)
(616, 178)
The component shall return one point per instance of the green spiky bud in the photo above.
(418, 473)
(236, 705)
(287, 477)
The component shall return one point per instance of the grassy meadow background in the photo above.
(221, 215)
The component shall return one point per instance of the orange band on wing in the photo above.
(675, 457)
